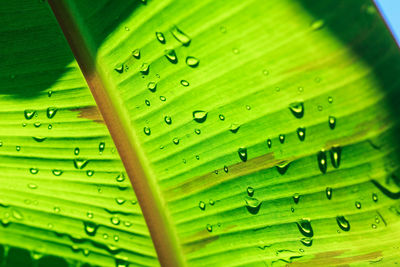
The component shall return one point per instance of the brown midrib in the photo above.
(147, 192)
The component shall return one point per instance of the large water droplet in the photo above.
(202, 205)
(234, 127)
(358, 205)
(343, 223)
(57, 172)
(80, 163)
(301, 133)
(269, 143)
(171, 56)
(328, 192)
(146, 130)
(37, 124)
(51, 112)
(322, 161)
(152, 86)
(39, 139)
(115, 220)
(192, 62)
(90, 228)
(32, 186)
(209, 227)
(120, 201)
(180, 36)
(242, 153)
(144, 69)
(252, 205)
(119, 69)
(250, 191)
(297, 109)
(199, 116)
(332, 122)
(305, 228)
(167, 119)
(306, 241)
(29, 113)
(335, 153)
(120, 177)
(175, 141)
(89, 173)
(282, 138)
(282, 167)
(136, 53)
(375, 197)
(160, 37)
(34, 170)
(296, 198)
(185, 83)
(102, 146)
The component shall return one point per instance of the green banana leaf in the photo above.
(254, 133)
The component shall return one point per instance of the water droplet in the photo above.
(28, 113)
(248, 107)
(296, 198)
(282, 138)
(144, 69)
(50, 127)
(33, 170)
(343, 223)
(282, 167)
(375, 197)
(167, 119)
(317, 24)
(152, 86)
(197, 157)
(171, 56)
(226, 169)
(328, 192)
(147, 102)
(49, 93)
(51, 112)
(39, 139)
(185, 83)
(37, 124)
(120, 177)
(202, 205)
(242, 153)
(80, 163)
(163, 98)
(222, 29)
(160, 37)
(234, 127)
(297, 109)
(90, 228)
(127, 28)
(235, 51)
(335, 153)
(56, 209)
(221, 117)
(199, 116)
(89, 214)
(265, 72)
(76, 151)
(305, 228)
(146, 130)
(332, 122)
(211, 202)
(300, 89)
(197, 131)
(18, 148)
(252, 205)
(180, 36)
(32, 186)
(269, 143)
(373, 226)
(250, 191)
(89, 173)
(17, 215)
(102, 146)
(127, 223)
(115, 220)
(136, 53)
(57, 172)
(301, 133)
(119, 69)
(209, 227)
(120, 201)
(192, 62)
(306, 241)
(330, 99)
(175, 141)
(322, 161)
